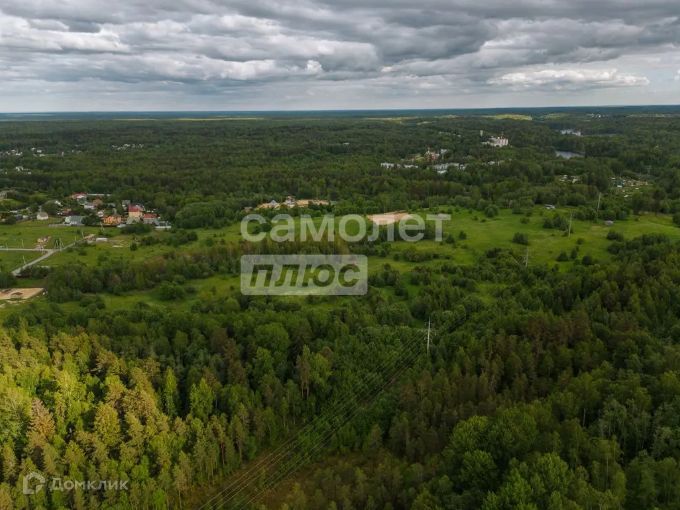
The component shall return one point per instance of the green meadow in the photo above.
(26, 234)
(481, 234)
(10, 260)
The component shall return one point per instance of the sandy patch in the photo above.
(27, 293)
(389, 218)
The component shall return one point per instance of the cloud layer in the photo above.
(85, 54)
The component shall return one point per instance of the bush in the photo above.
(557, 222)
(614, 236)
(170, 291)
(491, 211)
(7, 279)
(520, 238)
(137, 228)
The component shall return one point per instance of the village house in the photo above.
(150, 219)
(269, 205)
(432, 156)
(135, 213)
(499, 141)
(74, 221)
(42, 216)
(112, 221)
(290, 202)
(306, 202)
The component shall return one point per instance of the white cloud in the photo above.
(570, 77)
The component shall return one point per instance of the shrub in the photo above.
(520, 238)
(491, 211)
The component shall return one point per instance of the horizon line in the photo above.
(349, 110)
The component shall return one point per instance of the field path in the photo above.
(46, 253)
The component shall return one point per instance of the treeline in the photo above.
(72, 281)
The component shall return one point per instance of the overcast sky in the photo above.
(336, 54)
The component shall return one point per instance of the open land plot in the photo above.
(389, 218)
(20, 293)
(28, 234)
(10, 260)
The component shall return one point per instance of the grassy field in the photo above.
(545, 245)
(10, 260)
(482, 234)
(510, 116)
(26, 234)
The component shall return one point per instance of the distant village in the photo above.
(436, 158)
(86, 209)
(36, 152)
(290, 202)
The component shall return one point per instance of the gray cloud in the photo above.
(254, 52)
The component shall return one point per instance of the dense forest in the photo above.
(536, 385)
(205, 173)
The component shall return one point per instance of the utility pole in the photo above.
(571, 217)
(599, 198)
(526, 258)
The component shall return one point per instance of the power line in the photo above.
(319, 443)
(335, 414)
(320, 421)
